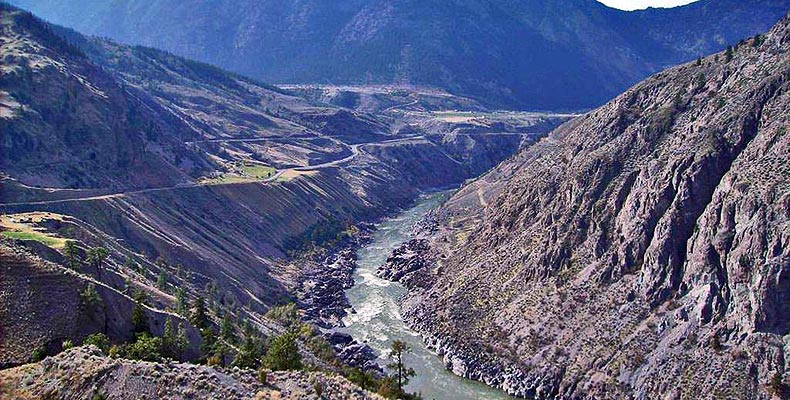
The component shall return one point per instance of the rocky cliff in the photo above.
(640, 251)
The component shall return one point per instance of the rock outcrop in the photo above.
(85, 373)
(640, 251)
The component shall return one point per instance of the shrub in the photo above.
(99, 340)
(90, 297)
(286, 314)
(776, 386)
(758, 40)
(145, 348)
(263, 376)
(715, 343)
(39, 354)
(728, 54)
(318, 387)
(67, 344)
(117, 351)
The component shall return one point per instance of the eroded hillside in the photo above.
(641, 250)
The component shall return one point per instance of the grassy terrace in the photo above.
(38, 237)
(247, 172)
(23, 227)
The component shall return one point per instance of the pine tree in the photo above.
(198, 317)
(161, 281)
(72, 254)
(207, 342)
(181, 301)
(169, 339)
(96, 257)
(283, 354)
(226, 330)
(402, 373)
(249, 354)
(139, 317)
(182, 341)
(90, 297)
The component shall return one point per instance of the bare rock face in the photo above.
(640, 251)
(84, 373)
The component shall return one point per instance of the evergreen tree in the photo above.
(90, 297)
(169, 339)
(249, 354)
(161, 281)
(139, 317)
(182, 341)
(226, 329)
(96, 257)
(283, 354)
(181, 301)
(198, 317)
(402, 373)
(208, 342)
(365, 380)
(72, 254)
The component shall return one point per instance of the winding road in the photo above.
(355, 151)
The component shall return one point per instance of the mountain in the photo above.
(639, 251)
(536, 54)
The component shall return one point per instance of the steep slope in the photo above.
(639, 251)
(66, 122)
(528, 54)
(41, 306)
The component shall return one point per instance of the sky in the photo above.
(639, 4)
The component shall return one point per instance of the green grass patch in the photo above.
(258, 171)
(38, 237)
(243, 174)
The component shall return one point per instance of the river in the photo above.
(378, 319)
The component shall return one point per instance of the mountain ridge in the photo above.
(535, 55)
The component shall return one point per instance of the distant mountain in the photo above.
(639, 251)
(528, 54)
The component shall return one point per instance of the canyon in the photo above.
(636, 250)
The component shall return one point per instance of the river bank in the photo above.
(376, 319)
